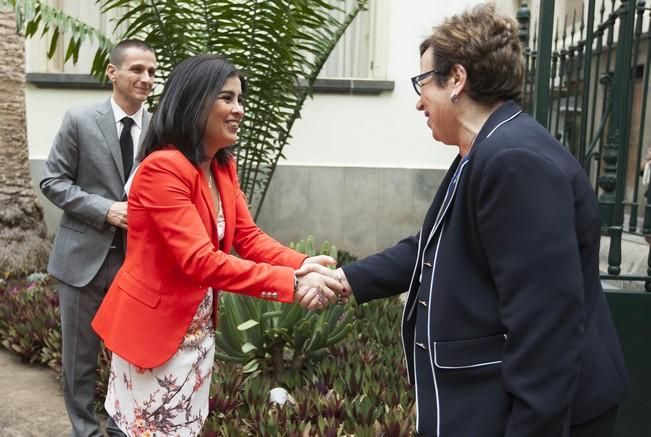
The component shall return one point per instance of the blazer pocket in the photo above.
(73, 225)
(139, 291)
(465, 354)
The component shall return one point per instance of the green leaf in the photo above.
(272, 314)
(32, 27)
(251, 366)
(53, 44)
(227, 348)
(247, 325)
(72, 49)
(229, 358)
(248, 347)
(291, 315)
(232, 336)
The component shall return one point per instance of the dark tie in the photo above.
(126, 146)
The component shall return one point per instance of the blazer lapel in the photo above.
(106, 123)
(146, 118)
(226, 190)
(449, 190)
(207, 198)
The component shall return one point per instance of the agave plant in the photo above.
(278, 338)
(281, 45)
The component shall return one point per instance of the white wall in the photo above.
(335, 130)
(385, 130)
(45, 109)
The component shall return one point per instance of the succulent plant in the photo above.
(357, 386)
(278, 339)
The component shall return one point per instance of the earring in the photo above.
(454, 98)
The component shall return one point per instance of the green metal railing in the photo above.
(587, 81)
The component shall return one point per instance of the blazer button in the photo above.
(112, 228)
(274, 295)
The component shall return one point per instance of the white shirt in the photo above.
(136, 129)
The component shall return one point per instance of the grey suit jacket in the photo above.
(83, 176)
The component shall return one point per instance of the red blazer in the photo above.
(174, 255)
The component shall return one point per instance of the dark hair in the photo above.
(488, 47)
(185, 104)
(117, 53)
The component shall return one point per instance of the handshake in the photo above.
(319, 285)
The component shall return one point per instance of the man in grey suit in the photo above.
(89, 162)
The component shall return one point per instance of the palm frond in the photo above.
(32, 15)
(276, 43)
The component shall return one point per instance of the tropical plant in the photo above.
(24, 246)
(359, 387)
(275, 338)
(29, 316)
(281, 45)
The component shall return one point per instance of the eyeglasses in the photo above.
(416, 81)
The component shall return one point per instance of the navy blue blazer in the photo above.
(519, 334)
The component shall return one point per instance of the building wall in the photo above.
(361, 210)
(359, 171)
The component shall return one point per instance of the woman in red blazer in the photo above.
(185, 214)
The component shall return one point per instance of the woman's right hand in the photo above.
(315, 291)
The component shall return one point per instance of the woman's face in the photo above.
(435, 102)
(224, 119)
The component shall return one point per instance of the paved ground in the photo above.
(31, 400)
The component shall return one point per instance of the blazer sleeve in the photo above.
(60, 174)
(384, 274)
(163, 188)
(526, 222)
(251, 242)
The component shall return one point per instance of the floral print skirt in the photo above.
(170, 400)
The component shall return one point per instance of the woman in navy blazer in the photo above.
(506, 330)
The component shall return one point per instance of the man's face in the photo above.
(133, 79)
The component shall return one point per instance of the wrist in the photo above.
(343, 281)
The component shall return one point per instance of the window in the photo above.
(361, 52)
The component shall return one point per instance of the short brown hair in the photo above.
(487, 46)
(117, 53)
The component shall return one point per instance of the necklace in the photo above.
(210, 182)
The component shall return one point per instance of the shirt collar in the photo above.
(119, 114)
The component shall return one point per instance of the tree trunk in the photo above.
(24, 246)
